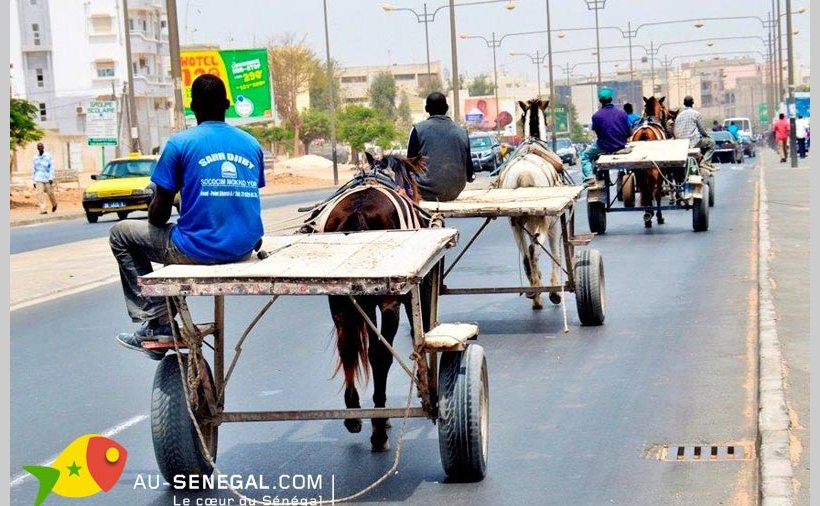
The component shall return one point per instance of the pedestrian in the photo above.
(717, 127)
(447, 149)
(633, 118)
(734, 130)
(801, 132)
(689, 125)
(782, 128)
(611, 125)
(43, 178)
(218, 169)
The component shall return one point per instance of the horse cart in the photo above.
(448, 369)
(584, 270)
(682, 183)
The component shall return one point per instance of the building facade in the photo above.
(66, 54)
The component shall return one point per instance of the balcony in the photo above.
(153, 86)
(145, 44)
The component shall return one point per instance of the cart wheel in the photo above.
(596, 214)
(464, 413)
(628, 190)
(176, 443)
(590, 293)
(711, 183)
(700, 211)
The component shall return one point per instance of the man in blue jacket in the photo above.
(218, 169)
(611, 126)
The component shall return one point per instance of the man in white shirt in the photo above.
(801, 131)
(43, 177)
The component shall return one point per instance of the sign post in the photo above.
(763, 113)
(101, 125)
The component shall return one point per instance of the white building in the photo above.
(67, 53)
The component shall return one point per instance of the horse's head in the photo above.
(655, 108)
(402, 170)
(534, 118)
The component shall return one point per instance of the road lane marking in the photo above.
(63, 292)
(113, 431)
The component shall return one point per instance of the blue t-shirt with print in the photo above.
(218, 169)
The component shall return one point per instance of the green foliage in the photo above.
(405, 121)
(803, 87)
(315, 125)
(271, 136)
(383, 94)
(576, 130)
(358, 125)
(22, 127)
(320, 87)
(480, 86)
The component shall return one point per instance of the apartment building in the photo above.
(67, 53)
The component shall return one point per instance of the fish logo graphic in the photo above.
(89, 464)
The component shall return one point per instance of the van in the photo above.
(744, 125)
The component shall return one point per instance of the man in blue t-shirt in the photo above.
(611, 126)
(218, 170)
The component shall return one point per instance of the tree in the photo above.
(320, 86)
(383, 94)
(271, 136)
(359, 125)
(576, 129)
(480, 86)
(292, 65)
(803, 87)
(315, 125)
(22, 127)
(430, 85)
(405, 120)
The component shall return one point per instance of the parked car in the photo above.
(485, 150)
(749, 145)
(566, 150)
(744, 125)
(727, 148)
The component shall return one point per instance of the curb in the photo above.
(773, 417)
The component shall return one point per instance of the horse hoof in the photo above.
(379, 444)
(661, 221)
(555, 298)
(647, 224)
(537, 305)
(353, 425)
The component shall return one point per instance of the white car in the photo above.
(566, 150)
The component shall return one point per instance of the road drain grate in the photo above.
(701, 453)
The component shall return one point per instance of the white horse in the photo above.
(535, 166)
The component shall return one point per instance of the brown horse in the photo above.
(371, 204)
(650, 181)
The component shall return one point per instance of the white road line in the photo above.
(64, 292)
(113, 431)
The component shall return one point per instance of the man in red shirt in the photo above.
(781, 136)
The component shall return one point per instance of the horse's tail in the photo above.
(352, 339)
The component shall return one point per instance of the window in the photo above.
(33, 2)
(354, 79)
(43, 115)
(35, 32)
(132, 25)
(405, 77)
(144, 25)
(39, 75)
(101, 24)
(105, 68)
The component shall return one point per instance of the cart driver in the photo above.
(218, 170)
(689, 125)
(611, 125)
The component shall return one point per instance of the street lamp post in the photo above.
(597, 5)
(552, 92)
(792, 117)
(538, 59)
(331, 85)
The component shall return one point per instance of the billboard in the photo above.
(244, 72)
(101, 123)
(482, 112)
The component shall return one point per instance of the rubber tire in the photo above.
(590, 289)
(463, 419)
(700, 212)
(629, 195)
(92, 217)
(122, 214)
(596, 215)
(176, 443)
(711, 183)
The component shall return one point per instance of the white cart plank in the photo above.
(646, 154)
(535, 201)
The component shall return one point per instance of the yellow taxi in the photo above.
(124, 185)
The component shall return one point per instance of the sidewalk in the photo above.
(788, 257)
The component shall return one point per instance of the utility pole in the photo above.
(456, 84)
(779, 60)
(176, 66)
(790, 81)
(331, 85)
(552, 94)
(133, 123)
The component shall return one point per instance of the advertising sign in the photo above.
(763, 113)
(101, 123)
(244, 72)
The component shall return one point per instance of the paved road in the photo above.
(31, 237)
(574, 417)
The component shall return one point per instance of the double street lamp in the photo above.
(428, 17)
